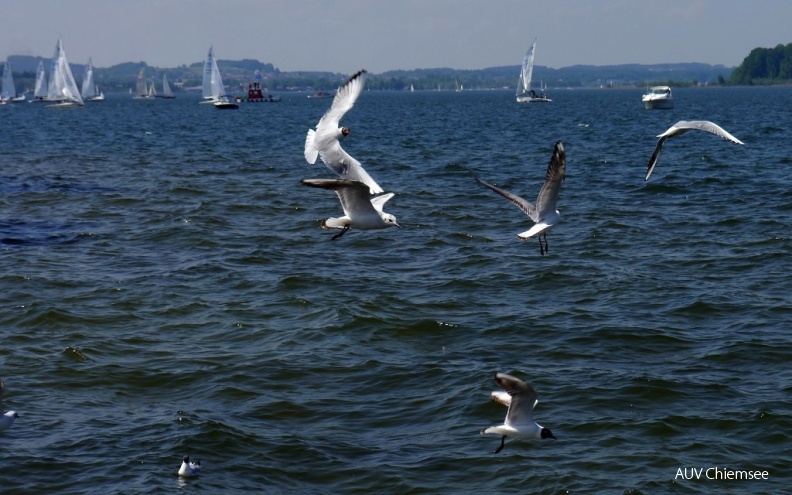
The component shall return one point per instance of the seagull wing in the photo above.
(344, 99)
(340, 162)
(701, 125)
(501, 397)
(655, 156)
(556, 171)
(524, 205)
(310, 152)
(378, 202)
(354, 196)
(523, 399)
(680, 128)
(324, 142)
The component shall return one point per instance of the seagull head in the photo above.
(390, 220)
(546, 433)
(344, 132)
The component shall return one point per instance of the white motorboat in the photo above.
(658, 97)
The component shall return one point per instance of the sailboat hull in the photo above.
(533, 99)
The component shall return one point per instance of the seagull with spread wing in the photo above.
(543, 213)
(521, 398)
(360, 210)
(325, 141)
(682, 127)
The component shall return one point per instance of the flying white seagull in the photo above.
(325, 141)
(189, 468)
(682, 127)
(519, 423)
(7, 419)
(360, 210)
(544, 213)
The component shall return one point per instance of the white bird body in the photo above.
(325, 141)
(360, 210)
(544, 212)
(189, 468)
(682, 127)
(521, 398)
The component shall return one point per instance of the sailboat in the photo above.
(40, 91)
(90, 92)
(213, 88)
(142, 91)
(166, 89)
(524, 92)
(207, 78)
(8, 93)
(62, 87)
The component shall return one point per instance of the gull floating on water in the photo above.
(189, 468)
(521, 398)
(544, 213)
(7, 419)
(682, 127)
(360, 210)
(325, 141)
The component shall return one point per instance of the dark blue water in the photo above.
(167, 289)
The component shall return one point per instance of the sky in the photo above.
(342, 36)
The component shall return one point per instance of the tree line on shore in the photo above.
(761, 66)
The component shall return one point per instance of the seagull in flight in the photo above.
(360, 210)
(189, 468)
(682, 127)
(544, 213)
(521, 398)
(325, 141)
(7, 419)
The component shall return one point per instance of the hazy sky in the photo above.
(379, 35)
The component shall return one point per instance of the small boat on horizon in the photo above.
(8, 93)
(90, 91)
(167, 93)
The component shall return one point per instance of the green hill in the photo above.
(765, 66)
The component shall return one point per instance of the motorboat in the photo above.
(658, 97)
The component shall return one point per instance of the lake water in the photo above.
(167, 289)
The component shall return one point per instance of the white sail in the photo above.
(213, 88)
(88, 87)
(62, 86)
(218, 89)
(524, 92)
(207, 75)
(9, 90)
(40, 92)
(140, 85)
(526, 71)
(166, 89)
(152, 90)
